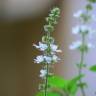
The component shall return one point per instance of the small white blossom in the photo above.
(39, 59)
(54, 48)
(41, 46)
(48, 59)
(78, 14)
(75, 45)
(93, 17)
(43, 73)
(90, 45)
(76, 30)
(82, 29)
(91, 34)
(55, 58)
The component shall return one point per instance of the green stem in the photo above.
(81, 65)
(46, 81)
(48, 28)
(67, 94)
(82, 62)
(47, 68)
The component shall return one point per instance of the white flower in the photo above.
(39, 59)
(76, 30)
(55, 58)
(81, 29)
(54, 48)
(75, 45)
(78, 14)
(41, 46)
(93, 17)
(90, 16)
(43, 73)
(85, 28)
(48, 59)
(78, 44)
(90, 45)
(91, 33)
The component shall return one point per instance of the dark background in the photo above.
(19, 76)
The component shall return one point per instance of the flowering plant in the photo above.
(53, 85)
(84, 30)
(49, 49)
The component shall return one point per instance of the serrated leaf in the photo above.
(93, 68)
(48, 94)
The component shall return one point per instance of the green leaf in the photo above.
(72, 86)
(69, 86)
(73, 89)
(58, 82)
(75, 79)
(66, 85)
(93, 68)
(93, 1)
(48, 94)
